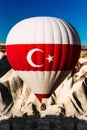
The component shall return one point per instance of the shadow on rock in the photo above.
(47, 123)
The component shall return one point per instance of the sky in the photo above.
(73, 11)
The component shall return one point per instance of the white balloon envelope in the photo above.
(43, 51)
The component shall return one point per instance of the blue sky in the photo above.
(73, 11)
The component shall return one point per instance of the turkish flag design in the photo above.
(43, 57)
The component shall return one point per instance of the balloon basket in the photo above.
(43, 107)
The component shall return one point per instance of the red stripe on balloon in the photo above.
(65, 56)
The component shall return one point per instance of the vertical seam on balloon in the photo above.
(61, 44)
(59, 73)
(57, 20)
(34, 45)
(53, 37)
(75, 34)
(72, 42)
(45, 60)
(76, 42)
(45, 73)
(68, 46)
(54, 52)
(36, 56)
(50, 22)
(69, 54)
(44, 49)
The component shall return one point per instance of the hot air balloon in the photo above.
(43, 51)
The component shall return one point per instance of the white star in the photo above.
(50, 58)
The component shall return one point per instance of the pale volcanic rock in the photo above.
(82, 60)
(1, 55)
